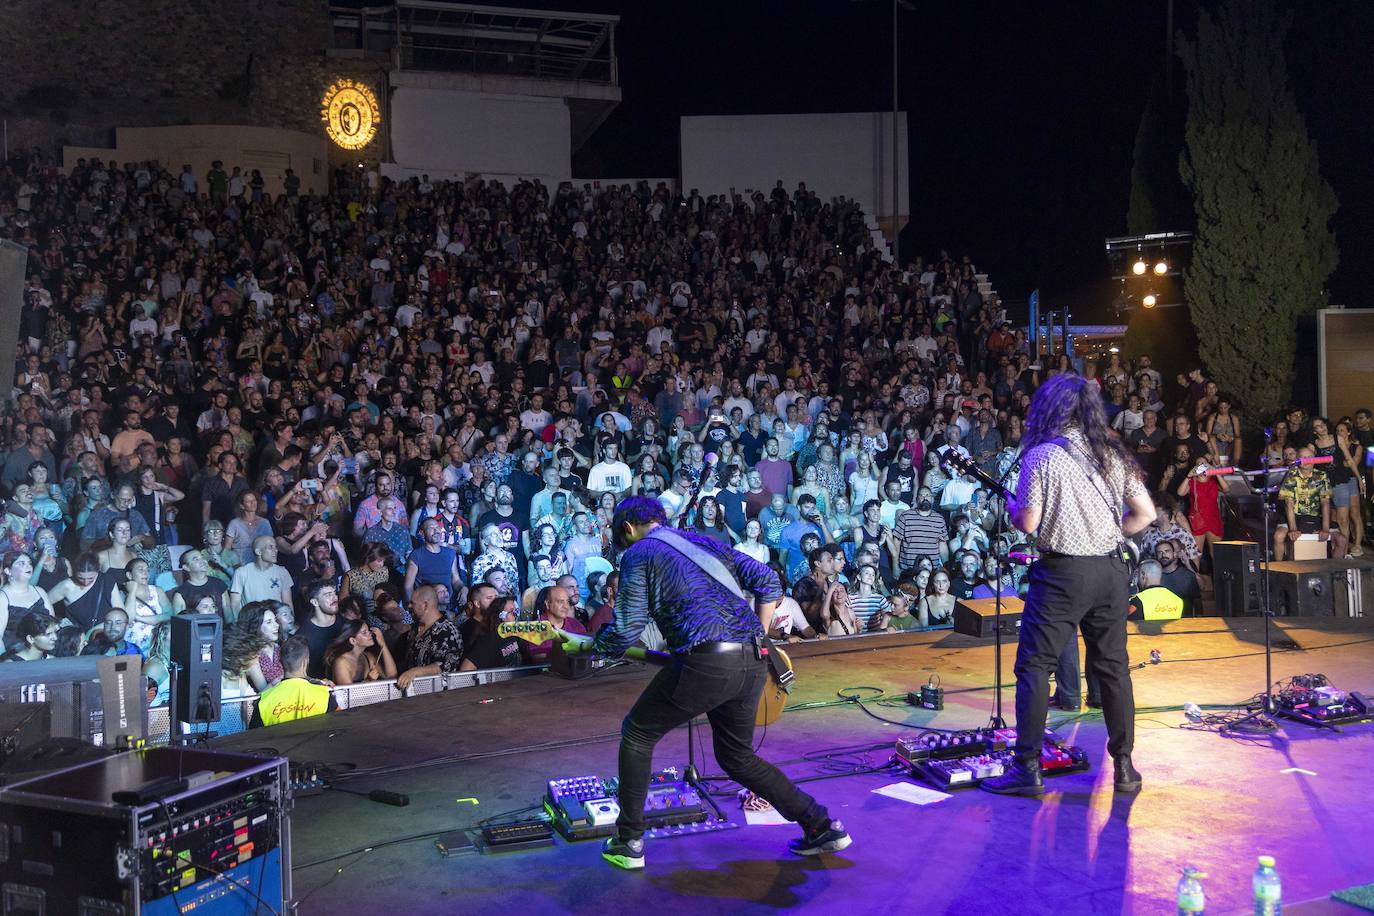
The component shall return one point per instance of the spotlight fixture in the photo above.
(1161, 267)
(1149, 300)
(1139, 267)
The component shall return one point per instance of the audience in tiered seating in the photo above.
(367, 414)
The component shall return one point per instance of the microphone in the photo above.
(1019, 558)
(1307, 462)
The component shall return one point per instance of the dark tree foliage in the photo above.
(1264, 248)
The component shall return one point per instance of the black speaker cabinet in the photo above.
(1236, 576)
(977, 616)
(1321, 588)
(196, 646)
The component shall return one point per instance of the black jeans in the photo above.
(725, 687)
(1066, 594)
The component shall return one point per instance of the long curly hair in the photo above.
(244, 640)
(1068, 400)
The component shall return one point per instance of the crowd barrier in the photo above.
(237, 712)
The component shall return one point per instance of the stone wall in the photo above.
(72, 70)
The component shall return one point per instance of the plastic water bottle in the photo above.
(1191, 901)
(1268, 890)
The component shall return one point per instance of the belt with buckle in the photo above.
(718, 648)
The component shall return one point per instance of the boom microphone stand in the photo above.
(999, 489)
(1262, 719)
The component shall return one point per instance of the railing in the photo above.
(237, 712)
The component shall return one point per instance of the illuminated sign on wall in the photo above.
(350, 113)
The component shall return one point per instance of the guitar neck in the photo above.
(638, 653)
(987, 480)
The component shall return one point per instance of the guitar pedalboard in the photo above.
(960, 759)
(585, 807)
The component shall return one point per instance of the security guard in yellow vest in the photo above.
(1154, 601)
(295, 696)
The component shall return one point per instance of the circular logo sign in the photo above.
(350, 113)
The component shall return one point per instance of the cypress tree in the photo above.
(1264, 247)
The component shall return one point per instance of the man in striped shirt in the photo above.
(921, 532)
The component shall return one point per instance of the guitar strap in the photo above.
(722, 574)
(700, 558)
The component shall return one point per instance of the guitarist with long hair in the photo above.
(696, 590)
(1076, 478)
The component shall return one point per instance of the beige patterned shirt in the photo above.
(1079, 509)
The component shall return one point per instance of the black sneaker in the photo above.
(627, 854)
(1017, 780)
(830, 838)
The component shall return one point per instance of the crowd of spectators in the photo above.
(384, 420)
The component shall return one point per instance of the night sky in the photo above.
(1023, 116)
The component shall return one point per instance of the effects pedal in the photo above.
(602, 811)
(930, 696)
(509, 838)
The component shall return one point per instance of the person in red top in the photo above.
(1204, 504)
(553, 605)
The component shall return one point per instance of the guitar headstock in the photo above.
(536, 632)
(959, 460)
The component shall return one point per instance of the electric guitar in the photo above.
(771, 701)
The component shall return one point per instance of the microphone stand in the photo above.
(691, 776)
(999, 529)
(1262, 719)
(966, 465)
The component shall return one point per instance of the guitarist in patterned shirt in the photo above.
(718, 669)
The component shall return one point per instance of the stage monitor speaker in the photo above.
(14, 259)
(978, 616)
(1236, 572)
(1304, 588)
(197, 647)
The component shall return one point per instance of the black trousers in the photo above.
(1067, 594)
(725, 688)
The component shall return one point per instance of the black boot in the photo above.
(1019, 779)
(1127, 779)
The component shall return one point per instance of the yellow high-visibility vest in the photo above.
(293, 698)
(1157, 603)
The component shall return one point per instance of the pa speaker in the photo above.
(978, 616)
(197, 648)
(1302, 588)
(1236, 572)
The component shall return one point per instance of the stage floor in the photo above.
(1301, 796)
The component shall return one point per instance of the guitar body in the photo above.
(774, 697)
(772, 700)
